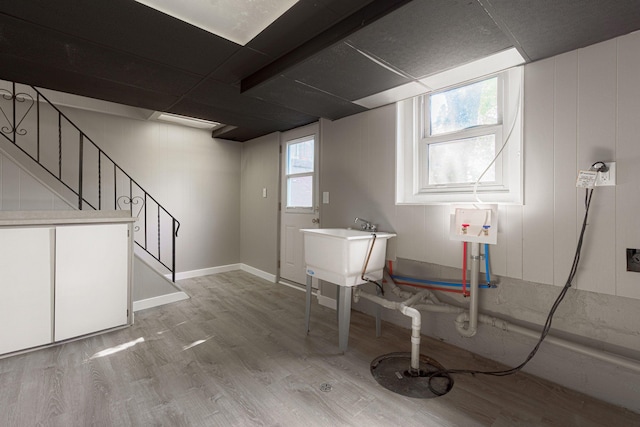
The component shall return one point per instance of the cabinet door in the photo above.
(26, 288)
(91, 285)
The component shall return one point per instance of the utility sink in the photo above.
(338, 255)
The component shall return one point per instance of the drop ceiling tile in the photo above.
(300, 97)
(242, 63)
(229, 98)
(345, 72)
(240, 119)
(128, 26)
(52, 49)
(44, 76)
(549, 27)
(428, 36)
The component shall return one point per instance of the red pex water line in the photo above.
(464, 269)
(434, 288)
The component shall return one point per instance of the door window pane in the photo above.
(300, 192)
(464, 107)
(300, 157)
(462, 161)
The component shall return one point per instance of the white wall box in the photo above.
(63, 275)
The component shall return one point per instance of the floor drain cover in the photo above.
(392, 371)
(325, 387)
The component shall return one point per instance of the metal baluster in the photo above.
(145, 220)
(80, 169)
(60, 146)
(173, 251)
(99, 179)
(38, 126)
(15, 128)
(158, 232)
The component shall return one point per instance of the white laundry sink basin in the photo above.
(338, 255)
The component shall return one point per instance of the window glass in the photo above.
(461, 161)
(300, 192)
(464, 107)
(300, 157)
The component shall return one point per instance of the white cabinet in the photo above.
(63, 275)
(26, 288)
(92, 271)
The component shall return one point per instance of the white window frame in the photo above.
(301, 209)
(412, 150)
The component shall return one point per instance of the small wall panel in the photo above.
(597, 90)
(538, 165)
(564, 165)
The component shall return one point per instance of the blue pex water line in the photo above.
(486, 263)
(432, 282)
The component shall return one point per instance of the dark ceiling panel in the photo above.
(339, 70)
(40, 75)
(241, 134)
(50, 48)
(229, 98)
(300, 97)
(130, 27)
(244, 62)
(548, 27)
(238, 119)
(428, 36)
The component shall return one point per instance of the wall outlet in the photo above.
(633, 260)
(607, 178)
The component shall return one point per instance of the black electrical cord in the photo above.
(547, 325)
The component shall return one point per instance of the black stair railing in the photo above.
(88, 175)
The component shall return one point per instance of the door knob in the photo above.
(316, 220)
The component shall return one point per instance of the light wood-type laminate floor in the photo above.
(236, 354)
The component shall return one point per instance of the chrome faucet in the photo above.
(366, 225)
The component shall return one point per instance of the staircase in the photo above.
(76, 169)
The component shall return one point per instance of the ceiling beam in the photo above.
(343, 29)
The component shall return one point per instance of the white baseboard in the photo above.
(205, 271)
(327, 302)
(262, 274)
(161, 300)
(223, 269)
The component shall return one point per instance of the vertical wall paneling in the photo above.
(597, 84)
(513, 228)
(627, 161)
(433, 234)
(538, 165)
(412, 241)
(498, 252)
(565, 168)
(379, 143)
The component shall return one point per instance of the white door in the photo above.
(299, 204)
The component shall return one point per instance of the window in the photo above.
(462, 143)
(299, 165)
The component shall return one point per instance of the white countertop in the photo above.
(19, 218)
